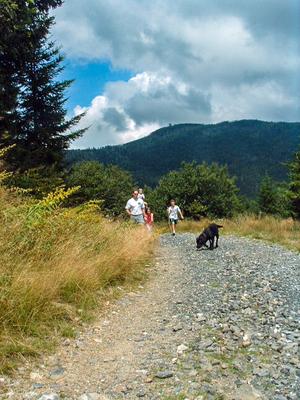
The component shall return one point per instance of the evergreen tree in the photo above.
(12, 33)
(273, 198)
(34, 117)
(42, 124)
(267, 196)
(294, 185)
(15, 39)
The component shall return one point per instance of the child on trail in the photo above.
(149, 219)
(142, 196)
(173, 212)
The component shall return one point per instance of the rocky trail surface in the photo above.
(220, 324)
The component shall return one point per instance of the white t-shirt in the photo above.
(141, 196)
(135, 206)
(173, 212)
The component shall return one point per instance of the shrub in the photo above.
(37, 181)
(110, 184)
(201, 190)
(273, 198)
(294, 185)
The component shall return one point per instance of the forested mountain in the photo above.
(250, 148)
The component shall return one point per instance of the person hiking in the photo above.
(173, 212)
(141, 195)
(149, 219)
(135, 208)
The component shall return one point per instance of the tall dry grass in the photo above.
(283, 231)
(56, 266)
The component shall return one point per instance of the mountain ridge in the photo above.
(250, 149)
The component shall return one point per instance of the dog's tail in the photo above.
(219, 226)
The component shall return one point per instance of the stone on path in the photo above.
(181, 349)
(246, 340)
(56, 372)
(49, 396)
(93, 396)
(164, 374)
(247, 392)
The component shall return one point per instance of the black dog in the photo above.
(209, 233)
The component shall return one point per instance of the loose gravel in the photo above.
(221, 324)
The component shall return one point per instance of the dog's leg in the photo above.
(217, 240)
(211, 242)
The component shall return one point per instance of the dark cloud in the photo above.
(169, 105)
(114, 118)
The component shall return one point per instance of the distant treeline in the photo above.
(201, 190)
(251, 149)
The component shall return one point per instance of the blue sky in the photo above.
(141, 64)
(90, 79)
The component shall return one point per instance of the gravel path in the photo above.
(220, 324)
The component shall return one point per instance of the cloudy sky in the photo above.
(142, 64)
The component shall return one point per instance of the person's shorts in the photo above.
(137, 219)
(173, 221)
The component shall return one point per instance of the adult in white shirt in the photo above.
(135, 208)
(173, 212)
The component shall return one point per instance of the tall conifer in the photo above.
(32, 98)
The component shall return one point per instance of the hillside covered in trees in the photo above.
(250, 148)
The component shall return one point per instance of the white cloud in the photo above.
(129, 110)
(265, 100)
(193, 60)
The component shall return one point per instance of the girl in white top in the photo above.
(173, 212)
(142, 196)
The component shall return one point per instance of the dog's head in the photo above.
(201, 240)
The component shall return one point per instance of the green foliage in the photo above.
(250, 149)
(32, 99)
(273, 198)
(267, 197)
(294, 185)
(108, 183)
(48, 204)
(37, 181)
(4, 175)
(200, 190)
(249, 206)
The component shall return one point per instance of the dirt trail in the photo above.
(187, 334)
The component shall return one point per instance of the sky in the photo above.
(139, 65)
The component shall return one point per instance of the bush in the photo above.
(273, 198)
(201, 190)
(294, 185)
(110, 184)
(37, 181)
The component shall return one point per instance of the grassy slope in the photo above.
(56, 267)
